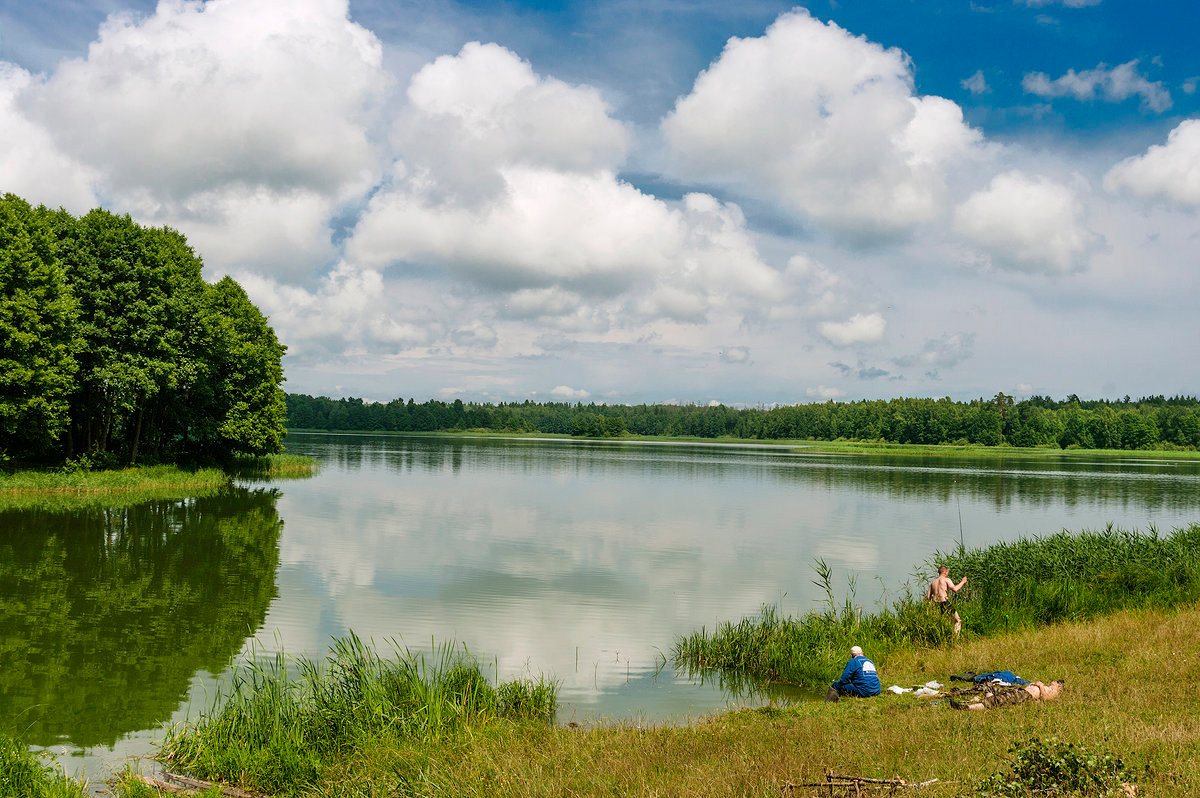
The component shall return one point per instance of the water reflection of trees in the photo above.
(106, 614)
(1033, 482)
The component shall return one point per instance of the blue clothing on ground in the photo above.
(1004, 676)
(859, 678)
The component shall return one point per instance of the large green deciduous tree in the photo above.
(112, 345)
(245, 409)
(37, 313)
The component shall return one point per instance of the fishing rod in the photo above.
(962, 546)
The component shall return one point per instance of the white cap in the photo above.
(856, 650)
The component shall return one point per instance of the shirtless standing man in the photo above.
(939, 594)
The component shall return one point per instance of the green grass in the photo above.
(1028, 583)
(274, 466)
(279, 732)
(25, 774)
(1065, 576)
(70, 489)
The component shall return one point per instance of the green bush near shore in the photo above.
(25, 774)
(1030, 582)
(276, 732)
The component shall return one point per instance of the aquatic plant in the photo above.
(273, 466)
(281, 722)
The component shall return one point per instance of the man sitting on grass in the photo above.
(858, 679)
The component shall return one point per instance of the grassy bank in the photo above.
(1028, 583)
(281, 729)
(24, 774)
(68, 489)
(832, 447)
(1129, 676)
(63, 489)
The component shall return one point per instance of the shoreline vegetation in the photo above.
(1039, 422)
(1129, 692)
(1029, 583)
(65, 488)
(1113, 613)
(813, 446)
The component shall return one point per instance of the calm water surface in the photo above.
(579, 560)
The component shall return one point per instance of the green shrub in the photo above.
(1052, 767)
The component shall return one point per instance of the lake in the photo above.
(575, 559)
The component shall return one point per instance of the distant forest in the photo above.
(1153, 422)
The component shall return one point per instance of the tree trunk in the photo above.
(137, 432)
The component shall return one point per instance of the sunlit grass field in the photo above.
(1130, 690)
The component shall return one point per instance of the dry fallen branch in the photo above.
(185, 785)
(835, 781)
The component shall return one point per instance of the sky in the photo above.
(687, 201)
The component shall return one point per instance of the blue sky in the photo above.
(657, 201)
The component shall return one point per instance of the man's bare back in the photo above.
(939, 594)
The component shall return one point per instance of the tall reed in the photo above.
(278, 728)
(1029, 582)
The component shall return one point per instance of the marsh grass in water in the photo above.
(277, 729)
(1030, 582)
(25, 774)
(71, 488)
(273, 466)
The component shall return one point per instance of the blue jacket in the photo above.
(859, 678)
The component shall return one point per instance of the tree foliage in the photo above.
(117, 350)
(1153, 422)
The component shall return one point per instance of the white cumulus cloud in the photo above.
(1112, 84)
(1028, 224)
(203, 95)
(861, 328)
(826, 122)
(31, 164)
(1168, 171)
(567, 392)
(507, 180)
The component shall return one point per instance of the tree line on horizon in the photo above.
(1153, 422)
(114, 350)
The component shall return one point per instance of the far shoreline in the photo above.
(808, 446)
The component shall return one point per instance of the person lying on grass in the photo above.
(859, 678)
(939, 594)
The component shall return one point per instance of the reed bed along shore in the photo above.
(1028, 583)
(283, 724)
(274, 466)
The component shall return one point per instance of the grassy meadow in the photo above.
(1129, 676)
